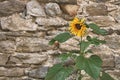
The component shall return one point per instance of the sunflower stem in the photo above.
(80, 45)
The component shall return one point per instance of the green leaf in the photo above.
(89, 51)
(81, 62)
(58, 72)
(95, 41)
(84, 45)
(94, 26)
(96, 29)
(91, 65)
(103, 32)
(64, 56)
(74, 51)
(61, 38)
(106, 76)
(51, 42)
(87, 25)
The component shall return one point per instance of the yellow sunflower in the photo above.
(78, 27)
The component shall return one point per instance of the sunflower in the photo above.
(78, 27)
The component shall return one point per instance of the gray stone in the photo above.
(53, 9)
(67, 45)
(100, 0)
(35, 9)
(114, 73)
(7, 46)
(104, 21)
(12, 35)
(11, 6)
(2, 78)
(116, 2)
(38, 73)
(11, 72)
(113, 42)
(117, 61)
(16, 23)
(51, 21)
(31, 44)
(60, 1)
(31, 58)
(106, 55)
(97, 10)
(118, 18)
(3, 58)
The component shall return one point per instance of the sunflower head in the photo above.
(78, 27)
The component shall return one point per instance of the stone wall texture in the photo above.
(26, 27)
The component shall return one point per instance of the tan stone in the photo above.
(97, 10)
(3, 58)
(70, 9)
(104, 21)
(100, 0)
(2, 78)
(60, 1)
(25, 44)
(31, 58)
(106, 55)
(114, 73)
(10, 6)
(51, 21)
(7, 46)
(113, 42)
(117, 61)
(69, 45)
(16, 23)
(12, 72)
(12, 35)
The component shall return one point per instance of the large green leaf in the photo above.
(64, 56)
(96, 29)
(84, 45)
(81, 62)
(91, 65)
(95, 40)
(58, 72)
(102, 32)
(61, 38)
(106, 76)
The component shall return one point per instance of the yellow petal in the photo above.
(82, 20)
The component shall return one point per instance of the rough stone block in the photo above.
(53, 9)
(70, 9)
(12, 72)
(60, 1)
(16, 23)
(3, 58)
(38, 73)
(100, 0)
(24, 44)
(7, 46)
(104, 21)
(30, 58)
(106, 55)
(51, 21)
(11, 6)
(113, 41)
(97, 10)
(35, 9)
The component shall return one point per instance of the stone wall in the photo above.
(26, 26)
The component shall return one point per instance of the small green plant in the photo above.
(76, 61)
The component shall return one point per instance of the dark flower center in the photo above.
(78, 26)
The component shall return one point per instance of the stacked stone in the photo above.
(26, 27)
